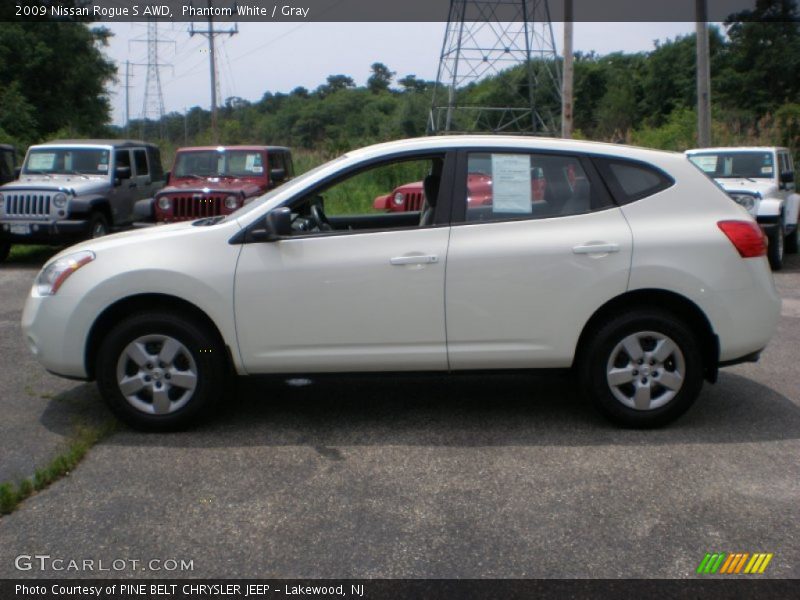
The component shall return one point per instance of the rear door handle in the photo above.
(596, 248)
(413, 260)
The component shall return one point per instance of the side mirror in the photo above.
(122, 173)
(277, 225)
(166, 177)
(787, 177)
(277, 175)
(17, 172)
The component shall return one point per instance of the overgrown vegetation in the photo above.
(85, 437)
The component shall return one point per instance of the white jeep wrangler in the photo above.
(761, 179)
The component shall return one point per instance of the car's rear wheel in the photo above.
(790, 245)
(160, 371)
(776, 247)
(5, 250)
(642, 369)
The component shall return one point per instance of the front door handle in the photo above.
(132, 185)
(413, 260)
(596, 248)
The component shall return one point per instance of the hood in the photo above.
(766, 188)
(144, 236)
(213, 184)
(81, 185)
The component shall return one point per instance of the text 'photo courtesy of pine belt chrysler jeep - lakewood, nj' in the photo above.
(74, 189)
(629, 266)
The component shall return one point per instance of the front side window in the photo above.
(752, 165)
(67, 161)
(363, 200)
(506, 185)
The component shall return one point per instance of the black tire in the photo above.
(98, 225)
(776, 247)
(595, 357)
(5, 250)
(201, 351)
(790, 243)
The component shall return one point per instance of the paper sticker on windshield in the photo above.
(102, 167)
(511, 183)
(766, 170)
(706, 163)
(41, 161)
(253, 163)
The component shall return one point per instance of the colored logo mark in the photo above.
(734, 563)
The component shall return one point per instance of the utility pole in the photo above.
(210, 33)
(568, 75)
(703, 76)
(153, 103)
(127, 98)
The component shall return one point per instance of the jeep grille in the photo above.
(413, 201)
(27, 205)
(189, 207)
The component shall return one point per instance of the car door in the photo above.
(529, 265)
(787, 188)
(356, 299)
(122, 194)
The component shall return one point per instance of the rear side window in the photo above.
(630, 181)
(140, 157)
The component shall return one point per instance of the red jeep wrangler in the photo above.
(212, 181)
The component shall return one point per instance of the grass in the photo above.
(85, 437)
(27, 254)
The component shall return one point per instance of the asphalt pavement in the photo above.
(436, 477)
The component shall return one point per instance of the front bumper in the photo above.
(43, 232)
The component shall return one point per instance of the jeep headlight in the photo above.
(163, 203)
(60, 200)
(231, 202)
(399, 198)
(56, 273)
(747, 201)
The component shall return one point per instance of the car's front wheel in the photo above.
(642, 369)
(160, 371)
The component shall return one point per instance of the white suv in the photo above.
(587, 256)
(762, 180)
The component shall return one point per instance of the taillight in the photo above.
(746, 236)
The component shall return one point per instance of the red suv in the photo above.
(212, 181)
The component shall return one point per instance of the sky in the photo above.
(277, 57)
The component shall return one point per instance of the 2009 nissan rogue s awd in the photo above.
(628, 265)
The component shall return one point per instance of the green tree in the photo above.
(381, 78)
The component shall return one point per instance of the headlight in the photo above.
(56, 273)
(231, 202)
(60, 200)
(746, 200)
(399, 198)
(164, 203)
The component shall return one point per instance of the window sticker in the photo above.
(706, 163)
(41, 161)
(511, 183)
(766, 170)
(102, 167)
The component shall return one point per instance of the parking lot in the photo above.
(430, 477)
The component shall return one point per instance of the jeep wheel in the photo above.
(790, 245)
(5, 250)
(160, 371)
(776, 247)
(98, 225)
(642, 369)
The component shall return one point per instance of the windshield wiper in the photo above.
(737, 176)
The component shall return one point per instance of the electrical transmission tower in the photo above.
(513, 41)
(153, 104)
(210, 33)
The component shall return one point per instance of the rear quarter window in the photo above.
(632, 180)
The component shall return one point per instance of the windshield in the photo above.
(71, 161)
(216, 163)
(294, 184)
(750, 165)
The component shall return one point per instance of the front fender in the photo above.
(83, 205)
(771, 207)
